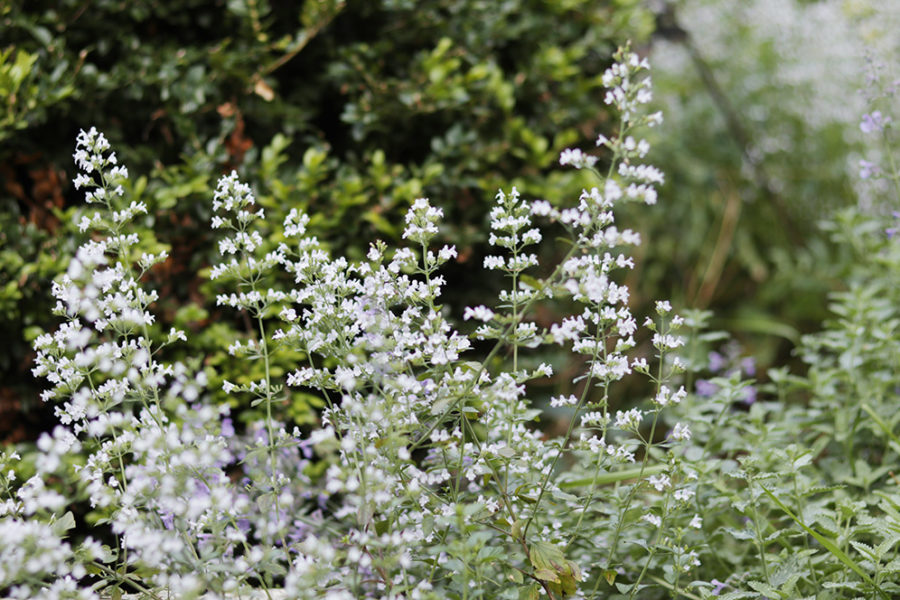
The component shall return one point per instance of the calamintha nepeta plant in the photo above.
(428, 477)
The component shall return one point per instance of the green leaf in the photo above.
(547, 575)
(827, 543)
(551, 565)
(884, 426)
(506, 452)
(545, 555)
(63, 524)
(763, 588)
(532, 592)
(517, 528)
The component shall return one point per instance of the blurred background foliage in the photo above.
(352, 109)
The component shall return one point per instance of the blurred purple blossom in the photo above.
(873, 122)
(227, 428)
(705, 388)
(748, 365)
(868, 169)
(716, 362)
(892, 231)
(718, 587)
(749, 395)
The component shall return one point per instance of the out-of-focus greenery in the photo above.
(349, 110)
(761, 126)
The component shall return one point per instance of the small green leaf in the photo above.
(63, 524)
(506, 452)
(517, 528)
(545, 555)
(532, 592)
(547, 575)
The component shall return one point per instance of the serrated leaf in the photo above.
(802, 461)
(865, 549)
(829, 544)
(763, 588)
(545, 555)
(547, 575)
(739, 534)
(738, 595)
(532, 592)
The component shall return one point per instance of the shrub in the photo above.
(350, 110)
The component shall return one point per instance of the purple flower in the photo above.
(868, 169)
(718, 587)
(705, 388)
(873, 122)
(892, 231)
(749, 395)
(748, 365)
(227, 428)
(305, 447)
(716, 362)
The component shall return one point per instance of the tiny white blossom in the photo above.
(660, 482)
(681, 432)
(652, 519)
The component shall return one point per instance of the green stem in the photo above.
(759, 540)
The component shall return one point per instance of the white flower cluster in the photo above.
(511, 229)
(423, 459)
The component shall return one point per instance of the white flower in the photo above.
(660, 482)
(652, 519)
(665, 397)
(681, 432)
(570, 400)
(629, 420)
(576, 158)
(684, 494)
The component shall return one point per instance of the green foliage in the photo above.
(805, 475)
(349, 110)
(761, 119)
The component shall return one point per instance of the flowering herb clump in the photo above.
(431, 478)
(427, 476)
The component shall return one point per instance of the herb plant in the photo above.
(428, 473)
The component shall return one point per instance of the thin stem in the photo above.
(568, 436)
(895, 174)
(652, 552)
(759, 543)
